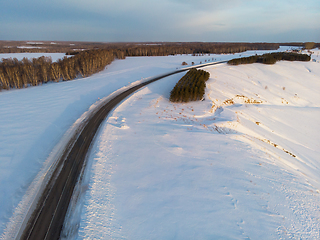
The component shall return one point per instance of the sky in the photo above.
(165, 20)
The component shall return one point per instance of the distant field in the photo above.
(20, 56)
(46, 46)
(153, 48)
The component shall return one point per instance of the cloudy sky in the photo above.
(161, 20)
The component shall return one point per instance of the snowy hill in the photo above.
(227, 167)
(36, 121)
(243, 164)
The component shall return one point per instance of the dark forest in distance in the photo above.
(90, 58)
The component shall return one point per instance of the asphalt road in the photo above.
(47, 220)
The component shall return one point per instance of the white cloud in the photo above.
(166, 20)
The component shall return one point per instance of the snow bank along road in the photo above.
(47, 219)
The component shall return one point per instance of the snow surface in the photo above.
(29, 47)
(37, 119)
(156, 179)
(211, 169)
(20, 56)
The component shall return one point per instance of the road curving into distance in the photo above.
(46, 221)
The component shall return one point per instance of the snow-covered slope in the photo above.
(242, 164)
(34, 120)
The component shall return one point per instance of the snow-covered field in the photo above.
(34, 120)
(186, 171)
(20, 56)
(212, 169)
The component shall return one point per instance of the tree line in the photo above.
(191, 87)
(24, 73)
(134, 49)
(166, 49)
(83, 63)
(304, 45)
(123, 50)
(145, 48)
(270, 58)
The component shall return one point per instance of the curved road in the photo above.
(47, 219)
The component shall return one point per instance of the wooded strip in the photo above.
(191, 87)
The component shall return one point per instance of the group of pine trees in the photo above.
(191, 87)
(270, 58)
(24, 73)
